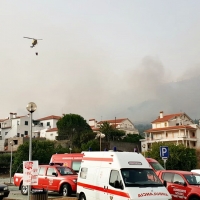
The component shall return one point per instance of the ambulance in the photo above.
(73, 160)
(110, 175)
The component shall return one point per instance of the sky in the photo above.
(100, 59)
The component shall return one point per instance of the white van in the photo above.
(110, 175)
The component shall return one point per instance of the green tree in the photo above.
(110, 132)
(73, 127)
(42, 151)
(180, 157)
(93, 144)
(132, 138)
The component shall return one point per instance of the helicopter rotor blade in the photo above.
(29, 38)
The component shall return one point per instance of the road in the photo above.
(15, 193)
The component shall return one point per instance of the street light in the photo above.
(31, 107)
(101, 135)
(11, 145)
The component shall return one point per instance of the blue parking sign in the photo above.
(164, 152)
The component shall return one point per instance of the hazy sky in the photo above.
(100, 59)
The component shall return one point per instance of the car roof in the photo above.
(151, 160)
(178, 172)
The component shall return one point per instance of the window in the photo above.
(83, 173)
(25, 132)
(17, 122)
(166, 134)
(6, 133)
(193, 134)
(114, 178)
(48, 123)
(50, 171)
(76, 165)
(41, 171)
(15, 142)
(26, 122)
(178, 179)
(22, 135)
(165, 124)
(18, 134)
(167, 177)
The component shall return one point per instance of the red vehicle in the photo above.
(155, 164)
(181, 184)
(54, 178)
(73, 160)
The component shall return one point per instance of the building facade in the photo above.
(176, 128)
(121, 124)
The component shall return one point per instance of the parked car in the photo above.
(54, 178)
(4, 191)
(181, 184)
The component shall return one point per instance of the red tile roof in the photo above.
(52, 130)
(2, 120)
(49, 117)
(112, 121)
(170, 128)
(167, 117)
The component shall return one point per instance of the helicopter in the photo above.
(35, 41)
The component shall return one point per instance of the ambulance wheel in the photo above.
(24, 189)
(66, 190)
(82, 197)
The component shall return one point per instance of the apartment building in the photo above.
(176, 128)
(17, 129)
(123, 124)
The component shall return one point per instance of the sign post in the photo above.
(30, 172)
(164, 154)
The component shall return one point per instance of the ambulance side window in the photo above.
(115, 179)
(83, 173)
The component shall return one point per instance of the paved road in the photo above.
(15, 193)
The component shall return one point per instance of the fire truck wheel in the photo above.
(24, 189)
(82, 197)
(66, 190)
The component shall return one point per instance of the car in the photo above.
(181, 184)
(4, 191)
(54, 178)
(196, 171)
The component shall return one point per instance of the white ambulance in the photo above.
(113, 175)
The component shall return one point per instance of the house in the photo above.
(176, 128)
(17, 128)
(123, 124)
(48, 124)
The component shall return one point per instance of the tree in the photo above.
(110, 132)
(132, 138)
(42, 151)
(73, 127)
(180, 157)
(93, 144)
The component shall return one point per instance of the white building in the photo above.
(121, 124)
(16, 127)
(176, 128)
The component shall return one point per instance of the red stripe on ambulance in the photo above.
(98, 159)
(101, 189)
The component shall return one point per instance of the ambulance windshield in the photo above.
(140, 178)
